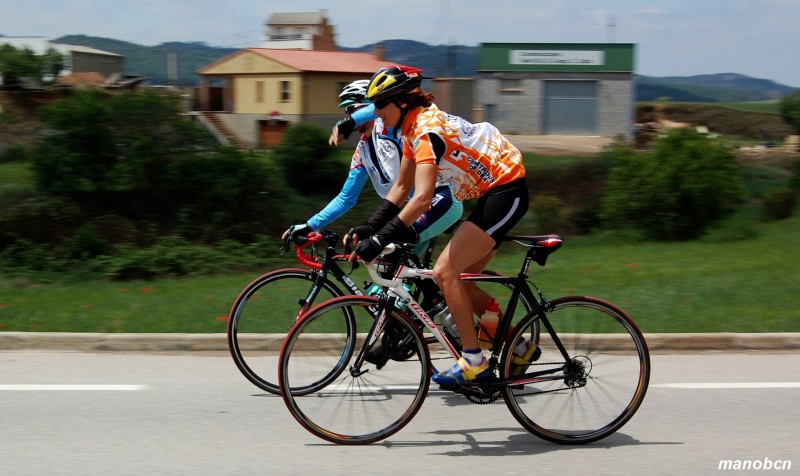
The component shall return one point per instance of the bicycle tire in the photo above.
(261, 316)
(358, 407)
(608, 370)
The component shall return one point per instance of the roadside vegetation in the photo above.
(140, 223)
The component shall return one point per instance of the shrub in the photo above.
(549, 214)
(307, 160)
(794, 182)
(779, 204)
(14, 153)
(37, 218)
(176, 256)
(790, 110)
(675, 192)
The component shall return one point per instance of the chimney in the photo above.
(379, 51)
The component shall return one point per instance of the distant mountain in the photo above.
(437, 61)
(723, 87)
(151, 61)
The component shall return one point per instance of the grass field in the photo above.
(15, 176)
(732, 281)
(742, 277)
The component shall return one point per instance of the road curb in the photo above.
(174, 342)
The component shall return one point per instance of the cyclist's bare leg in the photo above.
(478, 296)
(469, 251)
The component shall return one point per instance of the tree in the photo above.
(676, 192)
(18, 63)
(307, 162)
(134, 155)
(790, 110)
(113, 143)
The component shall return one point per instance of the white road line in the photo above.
(47, 387)
(729, 385)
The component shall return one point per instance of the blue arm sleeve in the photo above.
(364, 115)
(343, 202)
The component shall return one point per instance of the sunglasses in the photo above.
(350, 108)
(382, 103)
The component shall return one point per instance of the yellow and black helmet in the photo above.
(392, 80)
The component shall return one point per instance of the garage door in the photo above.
(570, 107)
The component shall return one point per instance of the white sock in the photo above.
(522, 346)
(473, 357)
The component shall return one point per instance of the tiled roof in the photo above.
(82, 79)
(323, 61)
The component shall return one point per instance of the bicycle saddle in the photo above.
(541, 246)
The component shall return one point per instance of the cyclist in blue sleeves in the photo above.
(376, 158)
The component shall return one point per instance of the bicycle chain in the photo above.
(542, 392)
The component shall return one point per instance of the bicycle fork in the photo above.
(372, 337)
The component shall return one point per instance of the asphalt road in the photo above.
(193, 414)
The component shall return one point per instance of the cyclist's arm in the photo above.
(364, 115)
(344, 201)
(427, 150)
(424, 184)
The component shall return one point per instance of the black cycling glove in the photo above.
(345, 127)
(394, 231)
(385, 212)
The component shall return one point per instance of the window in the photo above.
(259, 91)
(511, 85)
(286, 91)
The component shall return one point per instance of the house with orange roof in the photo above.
(256, 92)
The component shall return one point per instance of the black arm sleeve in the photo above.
(385, 212)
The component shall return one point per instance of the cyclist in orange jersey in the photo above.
(479, 162)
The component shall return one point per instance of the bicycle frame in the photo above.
(329, 265)
(582, 342)
(519, 285)
(320, 271)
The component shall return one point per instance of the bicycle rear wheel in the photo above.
(591, 388)
(361, 405)
(262, 315)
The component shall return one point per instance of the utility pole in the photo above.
(172, 68)
(451, 60)
(610, 33)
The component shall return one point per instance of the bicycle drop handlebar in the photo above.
(307, 259)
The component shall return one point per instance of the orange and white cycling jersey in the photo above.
(475, 159)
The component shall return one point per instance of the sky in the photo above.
(758, 38)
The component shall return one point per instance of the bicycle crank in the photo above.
(479, 393)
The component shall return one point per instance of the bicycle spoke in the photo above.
(262, 315)
(355, 407)
(600, 387)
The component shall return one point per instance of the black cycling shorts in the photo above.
(500, 209)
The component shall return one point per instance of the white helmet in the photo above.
(354, 93)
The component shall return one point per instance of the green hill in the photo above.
(435, 60)
(151, 61)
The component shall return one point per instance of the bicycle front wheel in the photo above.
(363, 404)
(262, 315)
(591, 377)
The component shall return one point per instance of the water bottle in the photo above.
(373, 289)
(449, 323)
(488, 324)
